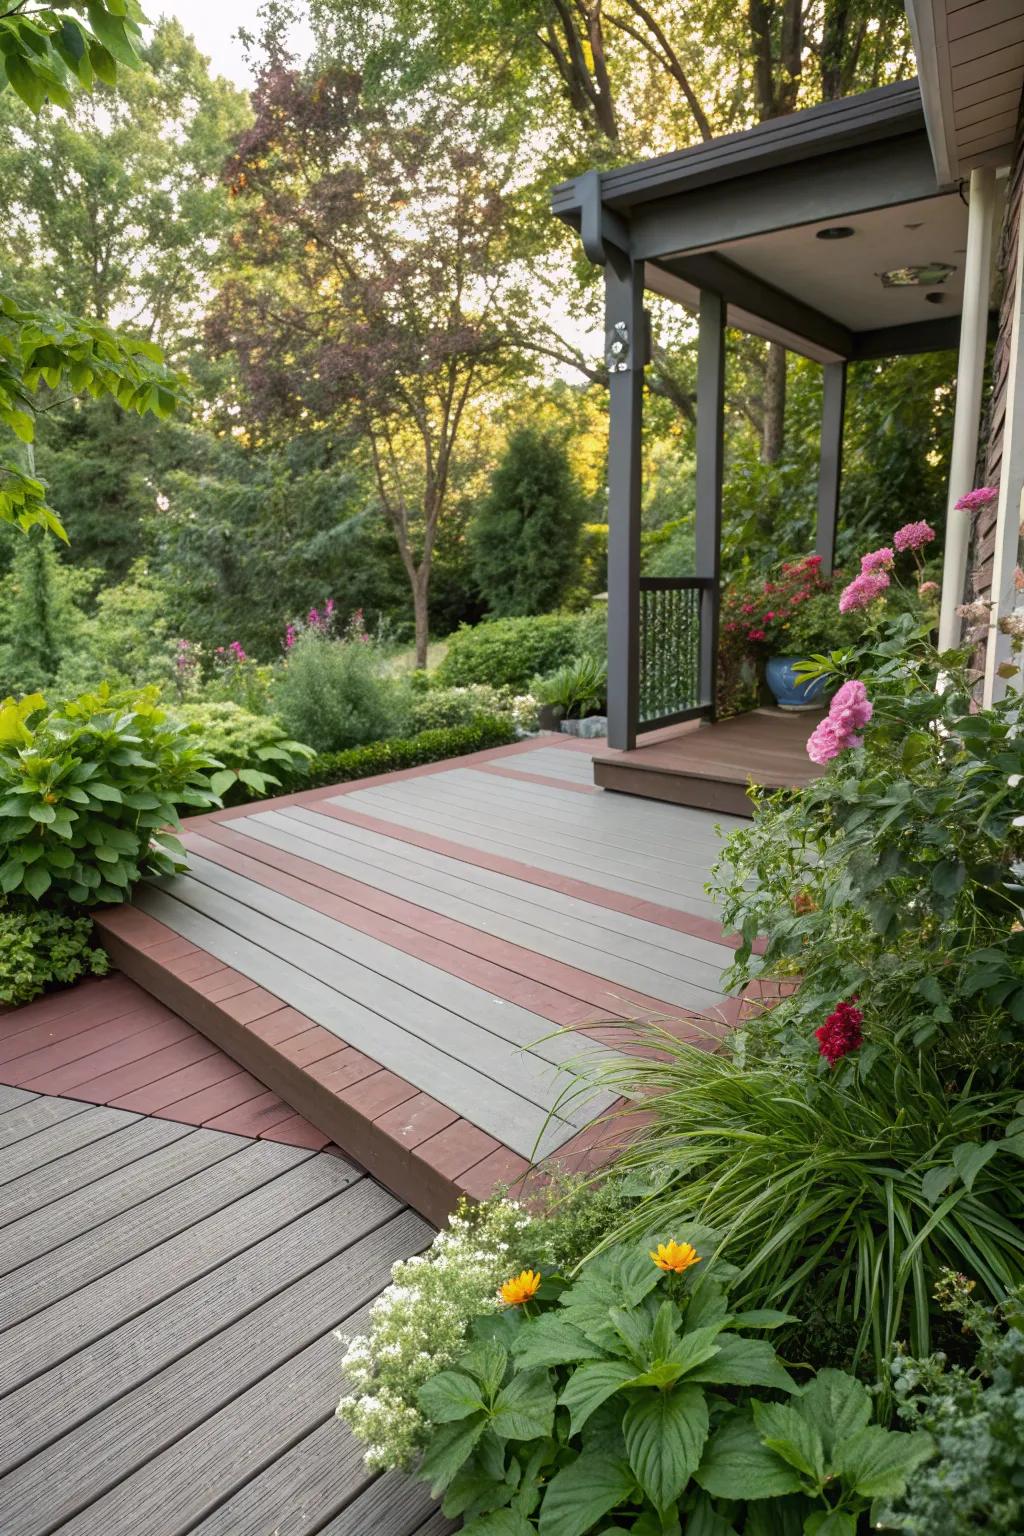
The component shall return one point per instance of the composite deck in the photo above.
(426, 965)
(167, 1307)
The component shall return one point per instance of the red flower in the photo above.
(841, 1032)
(756, 634)
(768, 616)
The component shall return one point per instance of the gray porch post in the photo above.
(710, 447)
(830, 462)
(624, 319)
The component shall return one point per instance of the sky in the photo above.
(213, 24)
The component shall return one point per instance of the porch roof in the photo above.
(793, 223)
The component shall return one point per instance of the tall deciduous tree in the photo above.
(377, 293)
(115, 208)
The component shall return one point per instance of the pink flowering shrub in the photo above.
(975, 500)
(877, 560)
(913, 536)
(862, 591)
(848, 713)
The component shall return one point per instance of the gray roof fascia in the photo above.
(885, 113)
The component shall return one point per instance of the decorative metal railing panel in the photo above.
(669, 685)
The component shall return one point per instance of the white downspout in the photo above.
(967, 417)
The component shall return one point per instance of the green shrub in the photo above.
(40, 946)
(625, 1396)
(976, 1416)
(410, 752)
(440, 708)
(248, 747)
(87, 792)
(337, 694)
(525, 538)
(508, 653)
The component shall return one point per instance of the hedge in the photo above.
(407, 752)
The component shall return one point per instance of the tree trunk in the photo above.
(420, 588)
(774, 415)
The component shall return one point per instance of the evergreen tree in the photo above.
(526, 536)
(39, 619)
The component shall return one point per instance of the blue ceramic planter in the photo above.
(789, 694)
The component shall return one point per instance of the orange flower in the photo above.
(674, 1257)
(520, 1288)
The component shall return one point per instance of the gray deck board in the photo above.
(192, 1388)
(10, 1098)
(391, 1506)
(127, 1356)
(165, 1455)
(648, 883)
(527, 840)
(36, 1115)
(591, 822)
(595, 819)
(244, 1197)
(601, 951)
(444, 1075)
(177, 1182)
(556, 762)
(536, 903)
(117, 1142)
(59, 1142)
(172, 1160)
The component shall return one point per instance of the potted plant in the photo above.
(784, 619)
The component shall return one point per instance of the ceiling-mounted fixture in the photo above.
(834, 232)
(917, 277)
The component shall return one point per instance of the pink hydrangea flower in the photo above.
(878, 560)
(849, 712)
(913, 535)
(862, 591)
(975, 500)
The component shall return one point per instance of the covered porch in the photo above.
(840, 233)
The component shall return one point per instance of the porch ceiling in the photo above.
(826, 296)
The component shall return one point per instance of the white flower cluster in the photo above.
(522, 708)
(419, 1324)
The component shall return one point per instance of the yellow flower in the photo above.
(674, 1257)
(520, 1288)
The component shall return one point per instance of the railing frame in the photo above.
(704, 705)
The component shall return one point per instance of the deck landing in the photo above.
(710, 766)
(420, 963)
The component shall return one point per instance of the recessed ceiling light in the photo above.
(918, 277)
(834, 232)
(934, 298)
(913, 226)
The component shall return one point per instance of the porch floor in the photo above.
(420, 963)
(710, 766)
